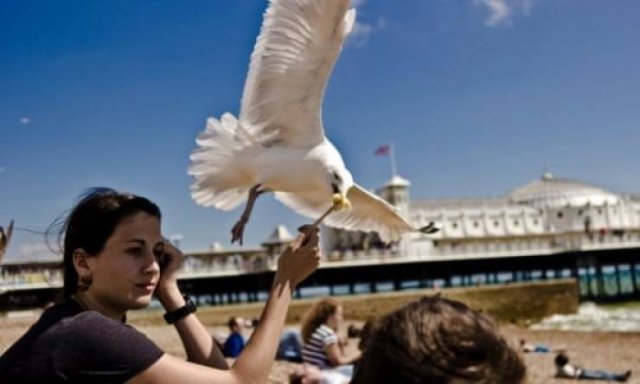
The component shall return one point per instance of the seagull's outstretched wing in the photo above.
(295, 52)
(368, 212)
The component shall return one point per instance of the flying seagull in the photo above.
(278, 144)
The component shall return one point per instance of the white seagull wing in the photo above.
(294, 54)
(368, 212)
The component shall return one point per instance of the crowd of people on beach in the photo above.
(116, 259)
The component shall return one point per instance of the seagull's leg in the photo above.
(238, 229)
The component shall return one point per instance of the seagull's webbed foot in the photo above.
(237, 231)
(430, 228)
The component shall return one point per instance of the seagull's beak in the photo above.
(341, 202)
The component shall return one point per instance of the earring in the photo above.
(84, 282)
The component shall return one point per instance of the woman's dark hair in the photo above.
(91, 222)
(434, 340)
(317, 315)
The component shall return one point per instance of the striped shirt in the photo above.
(314, 350)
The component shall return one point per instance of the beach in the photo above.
(613, 351)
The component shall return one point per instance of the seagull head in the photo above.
(341, 182)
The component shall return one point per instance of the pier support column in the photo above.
(618, 282)
(634, 280)
(599, 281)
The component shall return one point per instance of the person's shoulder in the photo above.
(234, 337)
(325, 332)
(93, 339)
(91, 328)
(59, 311)
(89, 321)
(325, 329)
(326, 335)
(94, 316)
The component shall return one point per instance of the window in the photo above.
(516, 223)
(559, 214)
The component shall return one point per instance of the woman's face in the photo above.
(126, 271)
(335, 320)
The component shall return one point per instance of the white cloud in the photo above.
(25, 120)
(501, 12)
(362, 31)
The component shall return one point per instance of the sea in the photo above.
(623, 317)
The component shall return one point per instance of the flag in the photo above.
(382, 150)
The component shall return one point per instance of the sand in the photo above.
(614, 351)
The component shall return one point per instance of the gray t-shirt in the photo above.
(70, 345)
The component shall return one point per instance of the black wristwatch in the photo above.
(182, 312)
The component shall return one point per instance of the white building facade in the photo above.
(544, 216)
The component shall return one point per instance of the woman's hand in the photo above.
(167, 289)
(300, 258)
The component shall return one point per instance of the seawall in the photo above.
(517, 303)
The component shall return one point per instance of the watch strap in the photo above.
(188, 308)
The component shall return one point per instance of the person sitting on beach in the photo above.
(321, 345)
(564, 369)
(290, 346)
(533, 348)
(235, 342)
(115, 260)
(438, 341)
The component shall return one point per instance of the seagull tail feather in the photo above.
(220, 179)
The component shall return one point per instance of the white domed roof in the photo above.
(551, 192)
(397, 181)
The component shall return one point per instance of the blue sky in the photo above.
(478, 96)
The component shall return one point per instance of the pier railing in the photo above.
(218, 264)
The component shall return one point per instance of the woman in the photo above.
(113, 251)
(322, 348)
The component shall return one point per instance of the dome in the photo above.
(397, 181)
(551, 192)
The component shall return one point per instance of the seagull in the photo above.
(277, 144)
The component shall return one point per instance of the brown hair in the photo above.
(317, 315)
(233, 322)
(434, 340)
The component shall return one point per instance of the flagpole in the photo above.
(392, 159)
